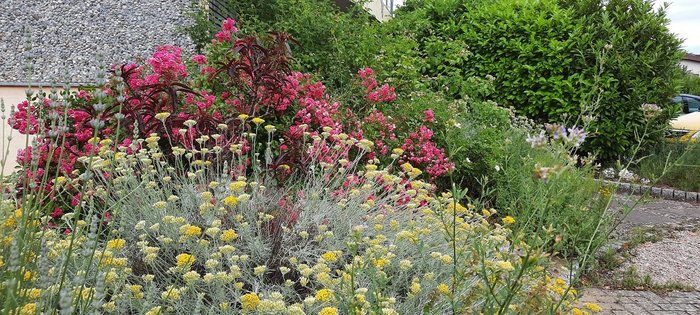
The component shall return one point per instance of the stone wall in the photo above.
(70, 39)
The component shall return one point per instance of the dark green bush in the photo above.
(333, 43)
(690, 84)
(641, 67)
(547, 59)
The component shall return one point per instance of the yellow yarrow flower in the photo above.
(324, 295)
(258, 120)
(228, 235)
(505, 265)
(154, 311)
(185, 260)
(330, 257)
(380, 262)
(116, 243)
(328, 311)
(577, 311)
(595, 308)
(190, 230)
(443, 288)
(162, 116)
(28, 309)
(508, 220)
(237, 185)
(250, 301)
(230, 201)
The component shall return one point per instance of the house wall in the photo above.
(11, 96)
(379, 8)
(692, 66)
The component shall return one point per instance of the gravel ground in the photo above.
(671, 260)
(67, 35)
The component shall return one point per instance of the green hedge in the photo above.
(553, 60)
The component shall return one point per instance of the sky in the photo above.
(685, 22)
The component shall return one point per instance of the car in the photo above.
(686, 127)
(689, 103)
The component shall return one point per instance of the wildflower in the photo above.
(258, 120)
(577, 311)
(160, 205)
(243, 116)
(28, 309)
(406, 264)
(228, 235)
(190, 277)
(270, 128)
(250, 301)
(576, 136)
(190, 230)
(259, 270)
(380, 262)
(595, 308)
(171, 294)
(189, 123)
(538, 140)
(230, 201)
(443, 288)
(324, 295)
(330, 257)
(508, 220)
(328, 311)
(109, 307)
(27, 276)
(505, 265)
(154, 311)
(429, 116)
(415, 287)
(33, 293)
(135, 290)
(162, 116)
(116, 243)
(185, 260)
(650, 110)
(237, 186)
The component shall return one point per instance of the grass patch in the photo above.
(681, 162)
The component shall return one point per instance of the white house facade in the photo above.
(691, 63)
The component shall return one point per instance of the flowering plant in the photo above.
(239, 88)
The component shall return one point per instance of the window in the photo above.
(691, 104)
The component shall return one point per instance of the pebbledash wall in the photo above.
(68, 41)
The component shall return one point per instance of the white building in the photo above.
(691, 63)
(382, 9)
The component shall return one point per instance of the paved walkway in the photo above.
(656, 213)
(643, 302)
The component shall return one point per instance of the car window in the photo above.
(693, 104)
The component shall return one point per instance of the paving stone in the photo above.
(655, 191)
(634, 308)
(667, 193)
(644, 302)
(678, 195)
(691, 196)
